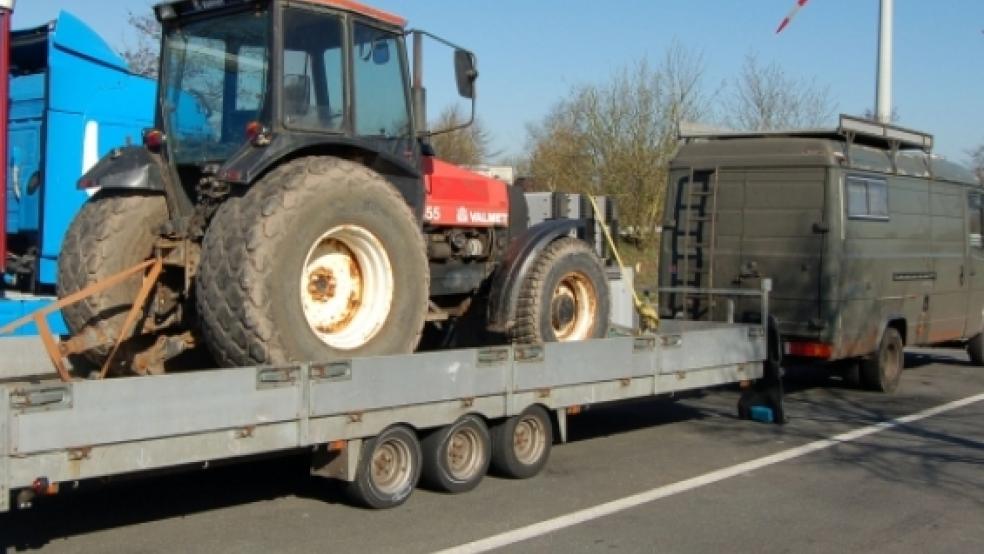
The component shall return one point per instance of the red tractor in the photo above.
(299, 213)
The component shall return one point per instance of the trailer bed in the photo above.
(65, 432)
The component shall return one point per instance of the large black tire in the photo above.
(257, 248)
(388, 471)
(521, 444)
(112, 232)
(456, 457)
(565, 296)
(975, 349)
(883, 370)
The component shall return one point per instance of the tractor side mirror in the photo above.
(466, 72)
(380, 52)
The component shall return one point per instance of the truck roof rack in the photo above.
(853, 129)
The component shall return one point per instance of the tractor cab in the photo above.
(244, 83)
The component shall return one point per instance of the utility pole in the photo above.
(883, 92)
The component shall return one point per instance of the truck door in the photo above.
(973, 269)
(782, 239)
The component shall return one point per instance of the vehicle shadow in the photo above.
(107, 504)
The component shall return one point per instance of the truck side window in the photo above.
(867, 198)
(975, 216)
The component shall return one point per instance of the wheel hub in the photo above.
(346, 287)
(573, 308)
(322, 285)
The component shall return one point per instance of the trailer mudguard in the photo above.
(516, 264)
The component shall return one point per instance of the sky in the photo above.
(532, 52)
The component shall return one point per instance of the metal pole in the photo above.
(6, 14)
(883, 94)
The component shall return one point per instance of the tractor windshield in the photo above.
(214, 84)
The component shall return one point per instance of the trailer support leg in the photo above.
(762, 400)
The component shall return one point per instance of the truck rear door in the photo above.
(782, 234)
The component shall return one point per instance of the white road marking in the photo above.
(608, 508)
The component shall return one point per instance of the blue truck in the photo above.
(72, 100)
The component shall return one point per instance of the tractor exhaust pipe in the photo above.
(419, 93)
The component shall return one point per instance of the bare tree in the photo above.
(467, 146)
(143, 56)
(617, 138)
(766, 98)
(977, 162)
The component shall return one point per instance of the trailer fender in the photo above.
(516, 264)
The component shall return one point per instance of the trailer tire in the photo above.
(521, 444)
(565, 297)
(321, 259)
(389, 469)
(883, 370)
(112, 232)
(975, 349)
(457, 456)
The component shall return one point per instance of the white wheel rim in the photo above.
(346, 287)
(575, 291)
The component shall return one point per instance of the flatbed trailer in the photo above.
(55, 433)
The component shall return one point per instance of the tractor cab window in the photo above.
(313, 96)
(381, 107)
(213, 84)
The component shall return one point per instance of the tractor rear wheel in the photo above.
(565, 297)
(112, 232)
(322, 259)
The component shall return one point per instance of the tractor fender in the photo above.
(129, 168)
(516, 265)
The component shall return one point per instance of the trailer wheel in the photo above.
(389, 469)
(456, 457)
(112, 232)
(883, 370)
(565, 297)
(322, 259)
(975, 349)
(521, 444)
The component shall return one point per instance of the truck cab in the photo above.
(72, 100)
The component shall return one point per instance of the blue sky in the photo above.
(532, 51)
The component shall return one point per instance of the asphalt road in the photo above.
(915, 487)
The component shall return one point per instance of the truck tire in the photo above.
(975, 349)
(565, 297)
(521, 444)
(388, 470)
(883, 370)
(456, 457)
(321, 259)
(112, 232)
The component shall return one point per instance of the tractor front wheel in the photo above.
(565, 297)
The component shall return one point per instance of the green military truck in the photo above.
(872, 242)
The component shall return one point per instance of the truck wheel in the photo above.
(565, 297)
(322, 259)
(883, 371)
(521, 444)
(389, 469)
(975, 349)
(457, 456)
(112, 232)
